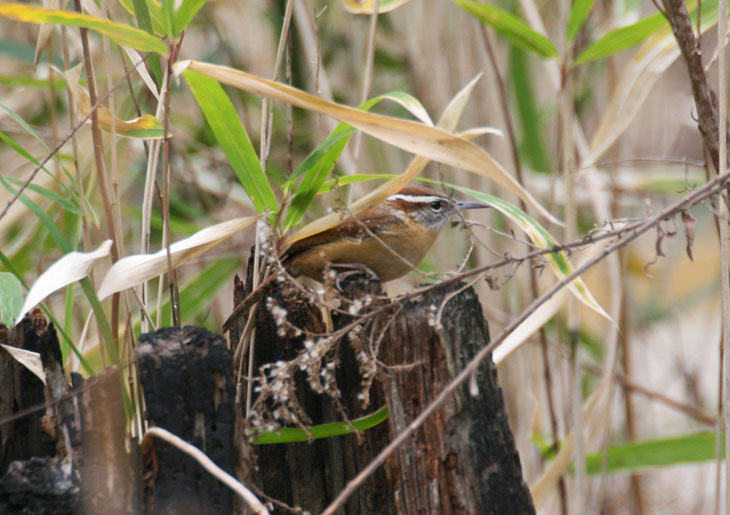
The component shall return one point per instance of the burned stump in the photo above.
(187, 379)
(462, 460)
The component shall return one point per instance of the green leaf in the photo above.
(148, 14)
(65, 203)
(321, 161)
(185, 14)
(50, 226)
(11, 297)
(31, 82)
(352, 179)
(664, 452)
(200, 292)
(530, 116)
(621, 39)
(294, 434)
(168, 17)
(511, 27)
(578, 14)
(121, 34)
(142, 13)
(232, 138)
(318, 166)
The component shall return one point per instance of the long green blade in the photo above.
(294, 434)
(232, 137)
(121, 34)
(511, 27)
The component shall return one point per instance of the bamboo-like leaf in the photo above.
(186, 12)
(511, 27)
(232, 137)
(29, 359)
(168, 17)
(429, 142)
(294, 434)
(70, 268)
(578, 14)
(133, 270)
(448, 121)
(144, 127)
(52, 195)
(541, 238)
(319, 164)
(368, 6)
(650, 454)
(623, 38)
(66, 204)
(57, 234)
(121, 34)
(141, 11)
(11, 298)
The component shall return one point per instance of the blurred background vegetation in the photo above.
(635, 149)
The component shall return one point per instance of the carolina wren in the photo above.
(389, 239)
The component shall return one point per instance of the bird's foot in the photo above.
(351, 270)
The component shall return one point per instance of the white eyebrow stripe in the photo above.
(415, 198)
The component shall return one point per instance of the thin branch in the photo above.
(224, 477)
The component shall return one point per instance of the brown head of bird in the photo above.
(390, 239)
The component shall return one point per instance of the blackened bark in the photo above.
(20, 389)
(186, 376)
(464, 460)
(40, 450)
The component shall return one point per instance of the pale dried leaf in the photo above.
(133, 270)
(448, 121)
(530, 326)
(46, 29)
(29, 359)
(429, 142)
(72, 267)
(135, 58)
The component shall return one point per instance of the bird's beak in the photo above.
(463, 205)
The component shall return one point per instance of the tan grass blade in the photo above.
(133, 270)
(72, 267)
(448, 121)
(29, 359)
(429, 142)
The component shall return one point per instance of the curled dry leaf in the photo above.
(29, 359)
(70, 268)
(432, 143)
(133, 270)
(690, 222)
(144, 127)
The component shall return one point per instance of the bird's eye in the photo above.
(437, 205)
